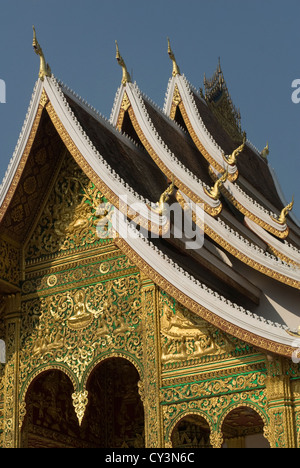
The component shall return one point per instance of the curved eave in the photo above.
(179, 94)
(129, 99)
(248, 253)
(49, 96)
(204, 302)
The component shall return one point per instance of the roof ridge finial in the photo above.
(176, 70)
(214, 192)
(265, 152)
(231, 159)
(45, 69)
(282, 217)
(126, 77)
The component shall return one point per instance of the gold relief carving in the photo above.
(52, 281)
(184, 337)
(227, 327)
(125, 102)
(69, 219)
(216, 439)
(214, 410)
(74, 327)
(244, 258)
(85, 270)
(44, 98)
(150, 389)
(11, 372)
(81, 316)
(207, 388)
(175, 102)
(80, 400)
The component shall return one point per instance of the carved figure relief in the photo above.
(185, 336)
(69, 219)
(75, 326)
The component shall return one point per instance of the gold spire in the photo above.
(231, 159)
(176, 70)
(214, 192)
(45, 70)
(265, 151)
(282, 217)
(126, 77)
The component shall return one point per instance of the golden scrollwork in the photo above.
(69, 219)
(80, 400)
(185, 337)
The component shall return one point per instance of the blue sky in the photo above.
(257, 41)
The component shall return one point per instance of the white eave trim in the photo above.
(250, 250)
(158, 145)
(216, 151)
(286, 249)
(94, 158)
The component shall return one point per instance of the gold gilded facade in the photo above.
(102, 345)
(93, 343)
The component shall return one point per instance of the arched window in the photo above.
(2, 352)
(192, 431)
(243, 428)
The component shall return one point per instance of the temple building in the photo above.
(149, 275)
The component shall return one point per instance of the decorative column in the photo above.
(281, 432)
(150, 388)
(11, 377)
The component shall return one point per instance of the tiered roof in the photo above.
(245, 279)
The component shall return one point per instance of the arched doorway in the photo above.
(115, 409)
(243, 428)
(114, 416)
(192, 431)
(50, 420)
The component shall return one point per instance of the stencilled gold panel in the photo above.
(74, 327)
(69, 219)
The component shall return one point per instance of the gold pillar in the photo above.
(11, 376)
(151, 385)
(281, 432)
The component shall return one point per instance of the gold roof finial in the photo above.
(45, 70)
(164, 198)
(214, 192)
(282, 217)
(231, 159)
(265, 151)
(176, 70)
(125, 77)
